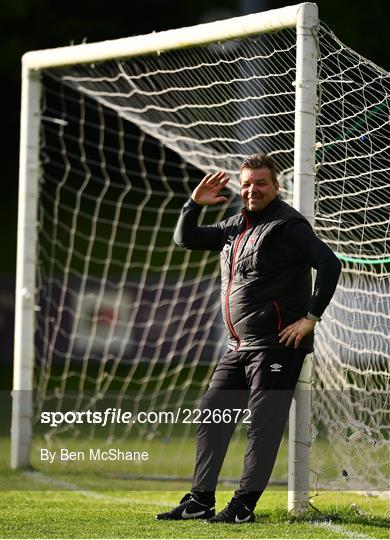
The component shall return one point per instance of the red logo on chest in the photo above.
(252, 240)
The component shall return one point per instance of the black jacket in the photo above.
(266, 261)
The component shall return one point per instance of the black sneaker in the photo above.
(189, 508)
(234, 512)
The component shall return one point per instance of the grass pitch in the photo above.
(87, 504)
(67, 514)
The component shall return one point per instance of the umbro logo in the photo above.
(276, 367)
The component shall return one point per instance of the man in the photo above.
(270, 312)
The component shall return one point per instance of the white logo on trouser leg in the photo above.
(276, 367)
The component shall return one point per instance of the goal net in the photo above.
(125, 320)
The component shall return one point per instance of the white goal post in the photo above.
(304, 18)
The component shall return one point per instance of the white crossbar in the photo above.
(157, 42)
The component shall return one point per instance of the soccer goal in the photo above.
(110, 315)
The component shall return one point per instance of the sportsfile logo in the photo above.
(276, 367)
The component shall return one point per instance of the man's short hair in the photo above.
(257, 161)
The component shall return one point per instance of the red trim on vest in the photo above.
(277, 309)
(228, 317)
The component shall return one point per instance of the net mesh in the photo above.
(128, 319)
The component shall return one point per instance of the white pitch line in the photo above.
(68, 486)
(328, 525)
(40, 477)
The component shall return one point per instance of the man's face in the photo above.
(257, 188)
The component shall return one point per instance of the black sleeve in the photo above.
(188, 234)
(309, 249)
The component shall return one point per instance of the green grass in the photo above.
(63, 514)
(96, 504)
(172, 457)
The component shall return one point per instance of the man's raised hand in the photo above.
(207, 192)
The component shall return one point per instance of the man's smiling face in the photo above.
(257, 188)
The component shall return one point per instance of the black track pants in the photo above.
(263, 382)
